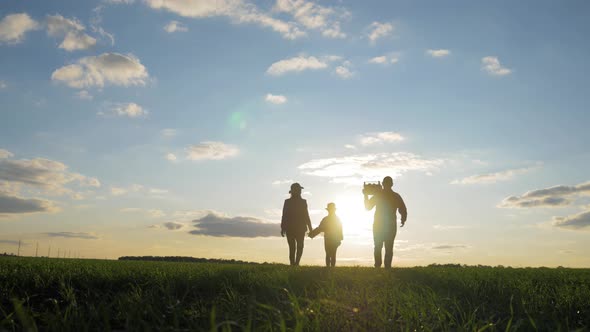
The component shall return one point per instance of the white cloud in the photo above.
(580, 221)
(296, 64)
(350, 146)
(440, 53)
(155, 213)
(314, 16)
(237, 10)
(71, 30)
(5, 154)
(171, 157)
(282, 182)
(557, 196)
(357, 168)
(448, 227)
(493, 177)
(175, 26)
(381, 137)
(492, 66)
(168, 132)
(3, 85)
(130, 110)
(211, 150)
(97, 71)
(275, 99)
(343, 72)
(384, 59)
(379, 30)
(84, 95)
(13, 27)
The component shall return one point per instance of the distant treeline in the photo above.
(182, 259)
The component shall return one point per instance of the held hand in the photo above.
(403, 223)
(283, 233)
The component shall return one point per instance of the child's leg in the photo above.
(334, 256)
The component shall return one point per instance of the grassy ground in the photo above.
(78, 295)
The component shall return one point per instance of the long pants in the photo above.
(331, 252)
(295, 247)
(384, 237)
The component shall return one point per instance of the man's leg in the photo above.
(328, 254)
(334, 255)
(291, 242)
(389, 248)
(377, 251)
(299, 238)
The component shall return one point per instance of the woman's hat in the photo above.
(295, 186)
(331, 206)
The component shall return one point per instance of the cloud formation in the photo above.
(343, 72)
(172, 225)
(384, 59)
(296, 64)
(13, 27)
(379, 30)
(440, 53)
(314, 16)
(495, 177)
(237, 10)
(449, 246)
(175, 26)
(580, 221)
(71, 30)
(129, 110)
(556, 196)
(275, 99)
(211, 150)
(218, 225)
(73, 235)
(52, 177)
(98, 71)
(492, 66)
(381, 137)
(12, 204)
(357, 168)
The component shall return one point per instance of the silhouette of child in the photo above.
(332, 229)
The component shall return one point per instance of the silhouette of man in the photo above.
(295, 222)
(386, 203)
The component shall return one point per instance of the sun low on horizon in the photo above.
(177, 127)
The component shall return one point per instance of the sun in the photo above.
(356, 220)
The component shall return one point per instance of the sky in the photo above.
(175, 127)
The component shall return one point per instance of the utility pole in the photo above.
(37, 249)
(18, 252)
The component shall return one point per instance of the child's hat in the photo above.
(331, 206)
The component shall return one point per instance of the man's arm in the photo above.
(370, 202)
(284, 219)
(403, 210)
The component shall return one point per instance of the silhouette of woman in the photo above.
(295, 222)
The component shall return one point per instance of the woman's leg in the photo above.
(291, 242)
(299, 239)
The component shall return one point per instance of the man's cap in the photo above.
(331, 206)
(295, 186)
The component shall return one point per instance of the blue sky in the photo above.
(125, 125)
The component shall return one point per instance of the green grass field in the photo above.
(78, 295)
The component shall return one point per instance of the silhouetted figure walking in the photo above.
(295, 222)
(386, 203)
(332, 229)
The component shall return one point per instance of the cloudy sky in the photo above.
(175, 127)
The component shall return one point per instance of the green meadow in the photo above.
(79, 295)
